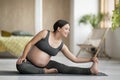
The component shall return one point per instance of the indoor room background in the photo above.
(35, 15)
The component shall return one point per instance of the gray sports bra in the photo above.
(43, 45)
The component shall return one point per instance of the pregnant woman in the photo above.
(36, 58)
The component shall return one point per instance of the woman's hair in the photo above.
(59, 23)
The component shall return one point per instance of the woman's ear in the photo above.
(58, 28)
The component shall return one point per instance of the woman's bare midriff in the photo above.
(38, 57)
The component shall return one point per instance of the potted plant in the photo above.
(116, 17)
(94, 20)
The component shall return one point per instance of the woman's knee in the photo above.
(23, 68)
(20, 67)
(27, 68)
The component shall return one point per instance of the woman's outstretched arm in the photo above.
(73, 58)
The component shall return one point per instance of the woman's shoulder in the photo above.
(43, 32)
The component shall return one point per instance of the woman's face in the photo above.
(65, 30)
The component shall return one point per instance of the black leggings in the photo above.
(28, 68)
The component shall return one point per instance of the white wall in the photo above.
(113, 44)
(80, 32)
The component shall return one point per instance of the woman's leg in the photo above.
(28, 68)
(68, 69)
(54, 67)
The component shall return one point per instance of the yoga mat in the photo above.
(16, 73)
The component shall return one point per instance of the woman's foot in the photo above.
(94, 68)
(52, 70)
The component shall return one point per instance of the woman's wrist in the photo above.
(23, 57)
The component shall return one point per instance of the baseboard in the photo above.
(6, 55)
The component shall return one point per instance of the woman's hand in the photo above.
(20, 60)
(95, 59)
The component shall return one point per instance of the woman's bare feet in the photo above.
(52, 70)
(94, 68)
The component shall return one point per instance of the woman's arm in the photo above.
(27, 48)
(73, 58)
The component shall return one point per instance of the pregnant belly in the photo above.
(38, 57)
